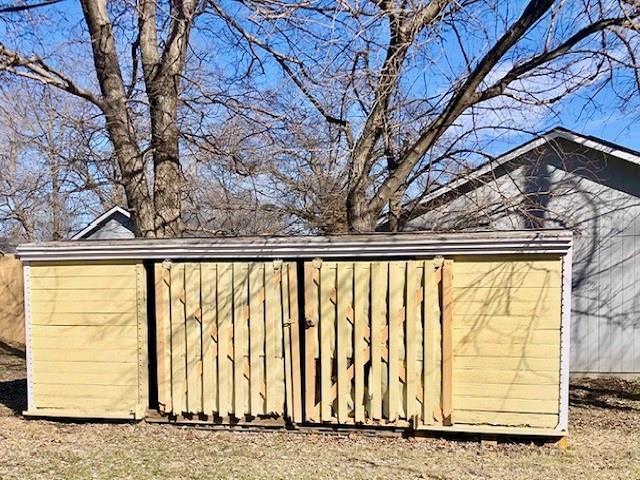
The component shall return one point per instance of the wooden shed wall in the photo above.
(87, 321)
(11, 301)
(506, 340)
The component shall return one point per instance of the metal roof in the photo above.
(383, 245)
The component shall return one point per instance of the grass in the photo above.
(604, 423)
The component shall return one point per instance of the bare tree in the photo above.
(156, 203)
(51, 175)
(401, 87)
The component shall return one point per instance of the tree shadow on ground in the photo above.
(606, 393)
(13, 384)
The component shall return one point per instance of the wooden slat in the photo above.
(506, 418)
(464, 336)
(225, 339)
(413, 316)
(327, 329)
(240, 338)
(209, 338)
(78, 306)
(286, 334)
(510, 377)
(431, 313)
(105, 376)
(447, 342)
(508, 363)
(396, 320)
(312, 321)
(163, 336)
(194, 337)
(274, 364)
(84, 283)
(109, 341)
(85, 318)
(95, 269)
(88, 354)
(361, 333)
(294, 318)
(80, 295)
(90, 367)
(504, 390)
(178, 341)
(278, 322)
(379, 280)
(343, 340)
(256, 327)
(508, 350)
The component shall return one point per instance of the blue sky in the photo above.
(608, 122)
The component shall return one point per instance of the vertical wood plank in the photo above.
(396, 320)
(225, 338)
(194, 337)
(163, 336)
(447, 342)
(343, 344)
(256, 327)
(413, 315)
(286, 334)
(429, 372)
(379, 276)
(240, 339)
(361, 333)
(295, 342)
(327, 333)
(178, 340)
(274, 370)
(209, 338)
(312, 320)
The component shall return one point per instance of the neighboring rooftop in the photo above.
(114, 224)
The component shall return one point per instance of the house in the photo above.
(567, 180)
(114, 224)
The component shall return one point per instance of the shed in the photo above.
(459, 332)
(566, 180)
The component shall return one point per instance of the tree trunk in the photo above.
(167, 172)
(359, 217)
(121, 131)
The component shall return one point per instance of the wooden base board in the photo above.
(493, 430)
(88, 415)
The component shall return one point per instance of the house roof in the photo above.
(99, 221)
(558, 133)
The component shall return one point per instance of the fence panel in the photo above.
(222, 331)
(372, 337)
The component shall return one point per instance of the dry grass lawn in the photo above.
(604, 444)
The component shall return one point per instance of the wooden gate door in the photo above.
(373, 337)
(226, 334)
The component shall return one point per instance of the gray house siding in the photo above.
(598, 197)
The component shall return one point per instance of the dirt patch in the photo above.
(604, 421)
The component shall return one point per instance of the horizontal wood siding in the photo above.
(85, 334)
(506, 341)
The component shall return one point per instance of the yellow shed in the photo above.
(465, 332)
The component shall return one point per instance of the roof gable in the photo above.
(116, 216)
(505, 159)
